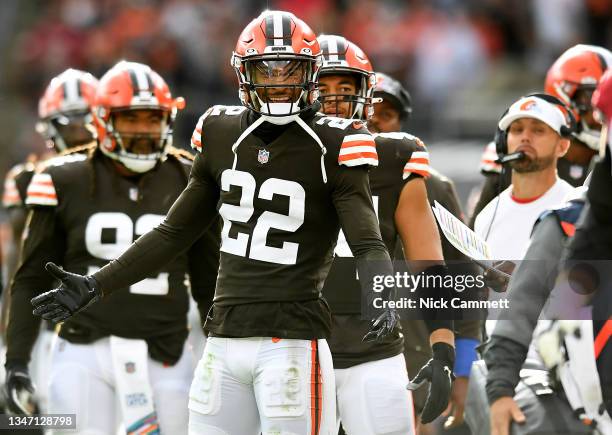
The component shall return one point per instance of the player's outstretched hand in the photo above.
(75, 293)
(382, 326)
(439, 372)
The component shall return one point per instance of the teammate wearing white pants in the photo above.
(273, 383)
(372, 398)
(371, 378)
(129, 349)
(82, 382)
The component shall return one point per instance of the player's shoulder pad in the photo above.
(349, 139)
(410, 149)
(42, 190)
(183, 156)
(10, 195)
(217, 112)
(488, 160)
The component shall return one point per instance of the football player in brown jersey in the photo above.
(284, 179)
(86, 209)
(367, 371)
(66, 123)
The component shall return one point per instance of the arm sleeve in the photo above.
(504, 358)
(191, 214)
(203, 268)
(45, 241)
(353, 202)
(528, 291)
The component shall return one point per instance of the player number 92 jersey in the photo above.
(96, 215)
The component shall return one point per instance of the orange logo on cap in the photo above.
(527, 105)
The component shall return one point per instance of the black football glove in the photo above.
(75, 293)
(382, 326)
(19, 389)
(439, 372)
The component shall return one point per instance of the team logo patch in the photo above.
(263, 156)
(130, 367)
(528, 105)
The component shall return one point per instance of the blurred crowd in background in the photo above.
(463, 61)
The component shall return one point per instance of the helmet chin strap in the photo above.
(280, 120)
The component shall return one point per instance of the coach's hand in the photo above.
(382, 326)
(75, 293)
(439, 372)
(19, 389)
(503, 412)
(498, 275)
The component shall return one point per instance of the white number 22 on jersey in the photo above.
(293, 220)
(124, 230)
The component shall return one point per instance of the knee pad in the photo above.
(388, 405)
(283, 391)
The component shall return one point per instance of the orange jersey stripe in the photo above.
(354, 156)
(359, 143)
(419, 160)
(419, 172)
(43, 195)
(10, 196)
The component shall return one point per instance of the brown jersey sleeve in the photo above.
(45, 241)
(203, 268)
(353, 202)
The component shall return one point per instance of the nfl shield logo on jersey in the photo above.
(263, 156)
(130, 367)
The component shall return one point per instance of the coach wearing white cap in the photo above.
(539, 127)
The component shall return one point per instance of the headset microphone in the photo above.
(507, 158)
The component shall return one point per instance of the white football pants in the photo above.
(82, 383)
(248, 386)
(373, 400)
